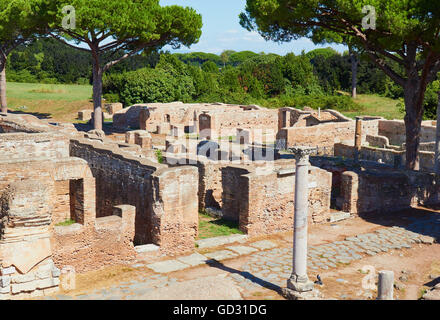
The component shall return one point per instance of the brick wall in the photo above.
(263, 200)
(125, 179)
(33, 146)
(326, 134)
(382, 190)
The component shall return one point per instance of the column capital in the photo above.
(302, 153)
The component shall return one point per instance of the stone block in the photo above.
(4, 296)
(47, 283)
(194, 259)
(241, 250)
(221, 255)
(23, 278)
(23, 287)
(112, 108)
(263, 245)
(5, 290)
(56, 272)
(219, 241)
(5, 281)
(7, 271)
(167, 266)
(146, 248)
(43, 274)
(339, 216)
(85, 115)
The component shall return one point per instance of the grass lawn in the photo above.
(210, 227)
(374, 105)
(56, 101)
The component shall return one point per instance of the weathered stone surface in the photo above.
(167, 266)
(203, 288)
(193, 260)
(22, 278)
(146, 248)
(219, 241)
(241, 250)
(339, 216)
(25, 255)
(5, 281)
(221, 255)
(7, 271)
(85, 115)
(263, 245)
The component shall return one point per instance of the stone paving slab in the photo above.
(219, 241)
(193, 260)
(146, 248)
(167, 266)
(221, 255)
(241, 250)
(263, 245)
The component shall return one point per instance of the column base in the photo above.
(290, 294)
(299, 284)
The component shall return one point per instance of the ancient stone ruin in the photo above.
(123, 200)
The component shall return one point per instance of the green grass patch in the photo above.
(375, 105)
(66, 223)
(159, 156)
(37, 91)
(210, 227)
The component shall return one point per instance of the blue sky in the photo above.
(222, 30)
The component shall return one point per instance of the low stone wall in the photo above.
(394, 158)
(396, 133)
(265, 119)
(377, 141)
(326, 134)
(386, 191)
(26, 123)
(33, 146)
(263, 199)
(105, 241)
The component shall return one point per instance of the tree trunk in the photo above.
(3, 102)
(354, 70)
(437, 139)
(413, 122)
(97, 94)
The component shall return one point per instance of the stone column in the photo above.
(358, 138)
(385, 285)
(299, 280)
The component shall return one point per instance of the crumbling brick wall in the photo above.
(120, 179)
(326, 134)
(125, 179)
(396, 133)
(263, 199)
(175, 209)
(375, 190)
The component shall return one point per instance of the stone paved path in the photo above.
(270, 266)
(271, 269)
